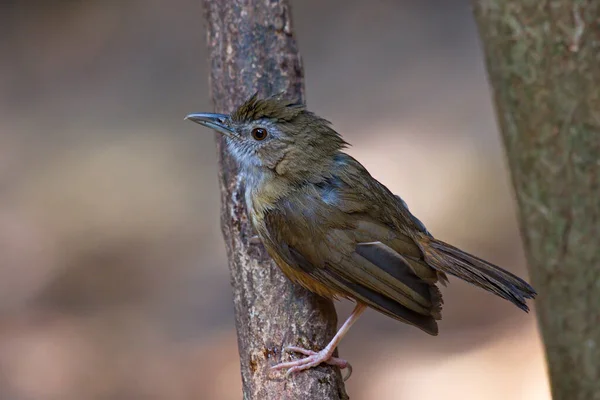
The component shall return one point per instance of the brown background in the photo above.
(113, 279)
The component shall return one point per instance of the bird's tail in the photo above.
(449, 259)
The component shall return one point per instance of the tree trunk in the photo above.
(252, 48)
(543, 60)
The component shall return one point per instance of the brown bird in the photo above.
(334, 229)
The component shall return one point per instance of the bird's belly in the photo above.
(296, 275)
(304, 279)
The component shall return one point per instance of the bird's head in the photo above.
(276, 136)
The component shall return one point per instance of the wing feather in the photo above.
(330, 237)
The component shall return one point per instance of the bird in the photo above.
(334, 229)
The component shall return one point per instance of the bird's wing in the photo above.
(355, 256)
(381, 205)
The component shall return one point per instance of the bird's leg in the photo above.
(324, 356)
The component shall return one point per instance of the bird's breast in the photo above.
(260, 204)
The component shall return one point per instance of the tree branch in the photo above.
(542, 60)
(252, 48)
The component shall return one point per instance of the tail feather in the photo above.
(449, 259)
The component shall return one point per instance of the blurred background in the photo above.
(113, 275)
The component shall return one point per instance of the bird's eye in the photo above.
(259, 134)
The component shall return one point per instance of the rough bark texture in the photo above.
(543, 60)
(252, 48)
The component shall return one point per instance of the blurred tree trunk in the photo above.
(252, 48)
(543, 60)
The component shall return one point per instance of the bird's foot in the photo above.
(311, 360)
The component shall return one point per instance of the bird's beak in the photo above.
(217, 122)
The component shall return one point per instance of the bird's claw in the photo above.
(311, 360)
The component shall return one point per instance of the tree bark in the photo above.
(252, 48)
(543, 60)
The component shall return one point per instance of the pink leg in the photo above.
(324, 356)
